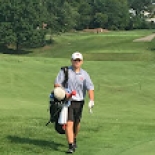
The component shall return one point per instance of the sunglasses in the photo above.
(77, 60)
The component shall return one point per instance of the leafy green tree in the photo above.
(100, 20)
(111, 14)
(61, 15)
(118, 15)
(19, 20)
(85, 12)
(7, 34)
(139, 5)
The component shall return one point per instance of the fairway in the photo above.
(123, 119)
(146, 148)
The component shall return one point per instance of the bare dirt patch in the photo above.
(97, 30)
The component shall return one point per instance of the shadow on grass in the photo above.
(5, 50)
(43, 143)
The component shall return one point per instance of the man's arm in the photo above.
(91, 100)
(91, 94)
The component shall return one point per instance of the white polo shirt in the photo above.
(80, 82)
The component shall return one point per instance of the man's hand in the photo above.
(69, 95)
(90, 105)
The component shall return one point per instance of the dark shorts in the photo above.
(75, 111)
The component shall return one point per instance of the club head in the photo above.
(59, 93)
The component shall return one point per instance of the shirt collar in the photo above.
(80, 72)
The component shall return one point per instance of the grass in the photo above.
(120, 42)
(123, 118)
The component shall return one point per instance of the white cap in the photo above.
(77, 55)
(59, 93)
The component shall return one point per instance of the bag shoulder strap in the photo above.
(65, 69)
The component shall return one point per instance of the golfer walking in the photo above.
(78, 80)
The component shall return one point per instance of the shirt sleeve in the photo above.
(89, 83)
(60, 78)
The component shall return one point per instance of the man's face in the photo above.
(77, 63)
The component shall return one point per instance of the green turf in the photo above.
(123, 119)
(89, 44)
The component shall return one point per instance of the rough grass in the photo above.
(102, 46)
(123, 118)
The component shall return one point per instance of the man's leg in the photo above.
(69, 132)
(78, 115)
(76, 130)
(70, 136)
(72, 129)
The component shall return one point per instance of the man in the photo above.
(78, 80)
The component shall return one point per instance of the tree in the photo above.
(100, 20)
(139, 5)
(85, 15)
(19, 20)
(110, 14)
(61, 15)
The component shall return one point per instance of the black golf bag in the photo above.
(56, 107)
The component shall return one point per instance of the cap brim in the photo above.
(77, 58)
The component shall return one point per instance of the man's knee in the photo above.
(69, 124)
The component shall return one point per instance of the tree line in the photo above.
(27, 22)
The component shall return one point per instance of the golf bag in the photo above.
(56, 106)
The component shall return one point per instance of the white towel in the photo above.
(63, 116)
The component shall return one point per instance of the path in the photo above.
(145, 39)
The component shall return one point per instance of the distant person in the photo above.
(80, 81)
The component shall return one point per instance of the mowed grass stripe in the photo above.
(123, 117)
(110, 43)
